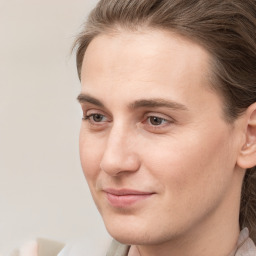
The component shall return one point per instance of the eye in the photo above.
(95, 118)
(156, 121)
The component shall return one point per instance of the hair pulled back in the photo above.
(225, 28)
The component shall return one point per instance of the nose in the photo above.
(120, 154)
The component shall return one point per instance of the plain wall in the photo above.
(43, 192)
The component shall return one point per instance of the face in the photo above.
(155, 149)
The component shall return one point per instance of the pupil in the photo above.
(97, 118)
(155, 120)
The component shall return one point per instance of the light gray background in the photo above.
(42, 189)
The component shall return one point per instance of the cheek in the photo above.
(188, 165)
(194, 174)
(91, 151)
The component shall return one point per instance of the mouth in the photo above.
(126, 197)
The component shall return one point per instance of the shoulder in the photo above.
(246, 246)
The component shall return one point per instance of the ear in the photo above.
(247, 156)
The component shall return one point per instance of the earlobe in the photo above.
(247, 156)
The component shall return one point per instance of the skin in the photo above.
(187, 157)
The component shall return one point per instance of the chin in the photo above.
(135, 232)
(127, 229)
(129, 237)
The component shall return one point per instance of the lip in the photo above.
(123, 198)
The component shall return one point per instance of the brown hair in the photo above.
(225, 28)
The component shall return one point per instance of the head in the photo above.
(213, 46)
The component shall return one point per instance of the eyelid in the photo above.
(161, 128)
(159, 115)
(90, 113)
(87, 117)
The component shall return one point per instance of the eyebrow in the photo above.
(83, 98)
(156, 103)
(151, 103)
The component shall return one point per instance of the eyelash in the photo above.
(146, 121)
(157, 119)
(87, 117)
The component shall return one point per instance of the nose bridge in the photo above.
(119, 154)
(120, 139)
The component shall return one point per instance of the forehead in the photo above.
(142, 49)
(152, 60)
